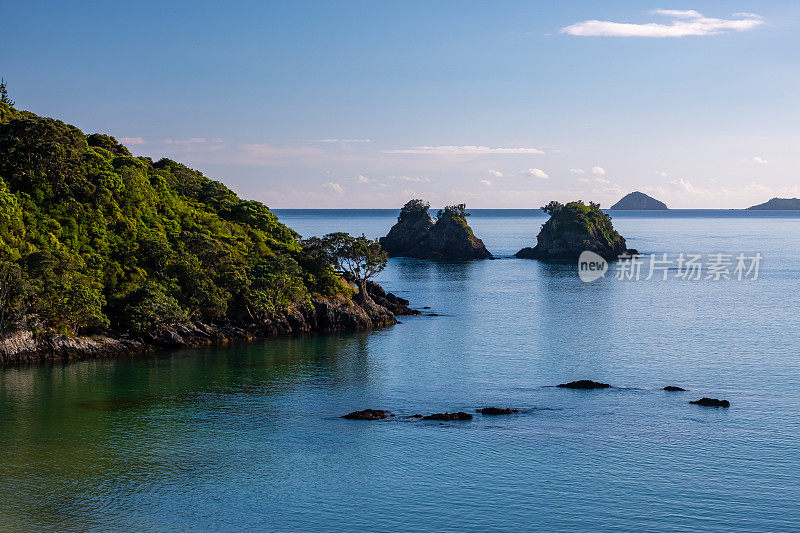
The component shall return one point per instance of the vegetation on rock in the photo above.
(92, 237)
(448, 238)
(573, 228)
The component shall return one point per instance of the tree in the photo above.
(357, 257)
(413, 207)
(458, 211)
(552, 208)
(4, 98)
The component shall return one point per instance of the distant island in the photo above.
(639, 201)
(573, 228)
(103, 253)
(778, 204)
(449, 238)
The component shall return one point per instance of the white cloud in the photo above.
(683, 23)
(335, 187)
(584, 180)
(487, 183)
(661, 173)
(463, 150)
(577, 171)
(131, 140)
(536, 173)
(598, 171)
(760, 160)
(496, 173)
(362, 179)
(601, 180)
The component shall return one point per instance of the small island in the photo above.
(639, 201)
(778, 204)
(574, 228)
(449, 238)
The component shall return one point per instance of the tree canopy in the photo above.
(91, 236)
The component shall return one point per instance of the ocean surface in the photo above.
(248, 436)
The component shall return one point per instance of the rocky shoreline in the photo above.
(322, 315)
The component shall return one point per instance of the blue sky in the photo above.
(367, 104)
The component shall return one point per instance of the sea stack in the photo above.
(574, 228)
(449, 238)
(639, 201)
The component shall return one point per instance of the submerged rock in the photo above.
(449, 416)
(498, 411)
(712, 402)
(673, 388)
(574, 228)
(584, 384)
(449, 238)
(368, 414)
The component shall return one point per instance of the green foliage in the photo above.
(12, 294)
(457, 212)
(4, 98)
(577, 217)
(414, 207)
(359, 258)
(105, 239)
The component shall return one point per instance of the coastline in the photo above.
(322, 315)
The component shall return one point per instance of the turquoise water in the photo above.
(247, 436)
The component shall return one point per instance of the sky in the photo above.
(364, 104)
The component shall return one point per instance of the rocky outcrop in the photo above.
(368, 414)
(673, 388)
(639, 201)
(322, 315)
(461, 415)
(498, 411)
(449, 238)
(778, 204)
(712, 402)
(584, 384)
(574, 228)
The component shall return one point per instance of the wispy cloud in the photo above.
(536, 173)
(598, 171)
(577, 171)
(335, 187)
(602, 180)
(345, 140)
(487, 183)
(131, 140)
(463, 150)
(684, 23)
(412, 179)
(362, 179)
(495, 173)
(760, 160)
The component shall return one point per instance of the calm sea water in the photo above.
(247, 436)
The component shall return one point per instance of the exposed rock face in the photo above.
(449, 238)
(712, 402)
(498, 411)
(673, 388)
(777, 204)
(573, 228)
(322, 315)
(461, 415)
(368, 414)
(584, 384)
(639, 201)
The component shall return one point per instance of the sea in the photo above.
(249, 436)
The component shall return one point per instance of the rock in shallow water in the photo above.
(449, 416)
(498, 411)
(712, 402)
(367, 414)
(673, 388)
(584, 384)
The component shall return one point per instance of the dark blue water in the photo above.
(247, 437)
